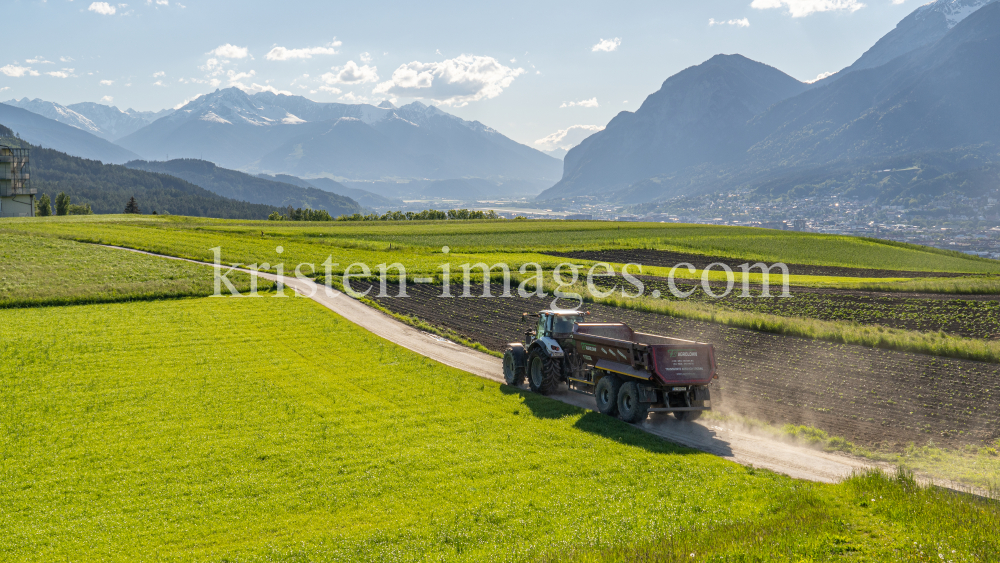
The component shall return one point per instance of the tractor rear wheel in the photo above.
(606, 394)
(630, 408)
(543, 372)
(513, 374)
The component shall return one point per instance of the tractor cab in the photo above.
(553, 324)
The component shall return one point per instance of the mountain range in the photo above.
(42, 131)
(736, 124)
(106, 122)
(275, 133)
(280, 134)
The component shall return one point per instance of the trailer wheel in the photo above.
(606, 394)
(687, 416)
(543, 372)
(513, 374)
(630, 408)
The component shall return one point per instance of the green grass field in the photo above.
(49, 271)
(272, 430)
(418, 244)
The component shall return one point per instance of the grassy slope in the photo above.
(424, 239)
(47, 271)
(267, 429)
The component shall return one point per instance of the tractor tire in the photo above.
(630, 408)
(543, 372)
(513, 374)
(687, 416)
(606, 394)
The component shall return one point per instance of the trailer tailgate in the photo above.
(683, 364)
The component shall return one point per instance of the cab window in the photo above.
(564, 324)
(540, 328)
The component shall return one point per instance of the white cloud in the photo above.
(607, 45)
(107, 99)
(66, 59)
(107, 82)
(159, 74)
(187, 101)
(567, 138)
(158, 83)
(591, 103)
(821, 76)
(16, 71)
(330, 89)
(4, 88)
(365, 57)
(102, 8)
(255, 88)
(283, 54)
(162, 2)
(457, 81)
(228, 51)
(38, 60)
(352, 99)
(802, 8)
(738, 23)
(351, 73)
(58, 74)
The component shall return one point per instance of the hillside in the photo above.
(928, 115)
(108, 187)
(698, 116)
(365, 198)
(244, 187)
(45, 132)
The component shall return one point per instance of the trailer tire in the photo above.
(543, 372)
(687, 416)
(630, 408)
(606, 395)
(513, 373)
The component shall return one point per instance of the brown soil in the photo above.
(669, 259)
(869, 396)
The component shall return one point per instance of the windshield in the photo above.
(564, 324)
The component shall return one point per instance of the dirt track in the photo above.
(708, 436)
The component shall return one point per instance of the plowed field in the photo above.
(870, 396)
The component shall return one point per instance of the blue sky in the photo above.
(528, 69)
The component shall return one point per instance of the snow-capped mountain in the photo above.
(57, 112)
(276, 133)
(953, 11)
(107, 122)
(924, 26)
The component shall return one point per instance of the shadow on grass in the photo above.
(659, 434)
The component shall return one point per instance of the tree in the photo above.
(62, 203)
(79, 210)
(132, 206)
(44, 206)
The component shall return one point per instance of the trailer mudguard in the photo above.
(519, 354)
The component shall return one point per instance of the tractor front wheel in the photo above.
(543, 372)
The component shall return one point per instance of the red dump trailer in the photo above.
(629, 373)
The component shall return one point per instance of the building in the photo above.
(17, 199)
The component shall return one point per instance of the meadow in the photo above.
(38, 270)
(419, 244)
(273, 430)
